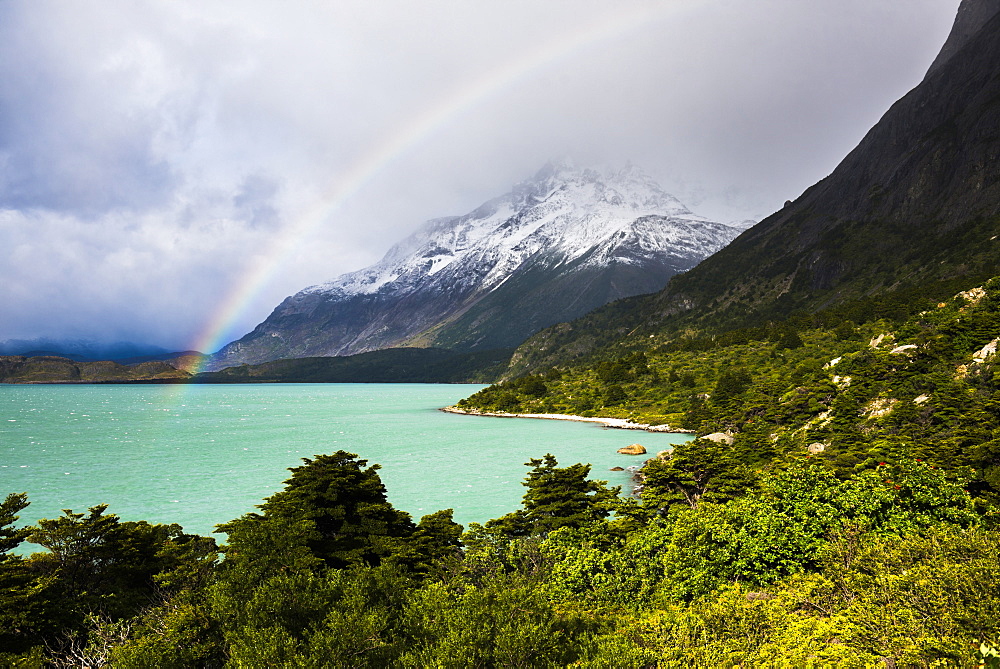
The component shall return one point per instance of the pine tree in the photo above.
(15, 579)
(337, 509)
(557, 497)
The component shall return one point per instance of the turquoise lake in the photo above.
(204, 454)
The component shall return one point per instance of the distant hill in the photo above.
(402, 365)
(55, 369)
(398, 365)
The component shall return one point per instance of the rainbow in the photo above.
(420, 127)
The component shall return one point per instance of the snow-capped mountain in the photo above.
(555, 247)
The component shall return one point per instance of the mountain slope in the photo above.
(852, 397)
(554, 248)
(915, 206)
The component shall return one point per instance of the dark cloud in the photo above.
(67, 141)
(156, 156)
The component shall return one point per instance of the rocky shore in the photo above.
(617, 423)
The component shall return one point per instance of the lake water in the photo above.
(204, 454)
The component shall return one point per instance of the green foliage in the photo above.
(803, 568)
(557, 497)
(790, 339)
(175, 636)
(696, 470)
(925, 600)
(97, 563)
(434, 545)
(340, 618)
(17, 583)
(731, 384)
(10, 537)
(506, 623)
(779, 532)
(332, 510)
(855, 395)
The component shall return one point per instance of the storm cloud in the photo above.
(157, 157)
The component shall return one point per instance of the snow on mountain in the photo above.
(555, 246)
(564, 211)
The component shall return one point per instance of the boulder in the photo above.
(719, 437)
(634, 449)
(617, 469)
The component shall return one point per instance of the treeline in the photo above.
(393, 365)
(782, 566)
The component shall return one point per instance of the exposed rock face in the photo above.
(879, 407)
(972, 16)
(634, 449)
(557, 246)
(929, 167)
(986, 352)
(719, 437)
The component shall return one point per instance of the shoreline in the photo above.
(616, 423)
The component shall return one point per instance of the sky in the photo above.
(170, 170)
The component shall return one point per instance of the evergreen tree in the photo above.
(437, 538)
(557, 497)
(15, 580)
(98, 564)
(332, 509)
(10, 537)
(695, 470)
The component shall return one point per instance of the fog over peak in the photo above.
(155, 155)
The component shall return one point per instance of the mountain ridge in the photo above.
(551, 249)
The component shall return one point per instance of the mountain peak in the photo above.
(557, 245)
(555, 169)
(615, 186)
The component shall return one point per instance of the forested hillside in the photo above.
(922, 387)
